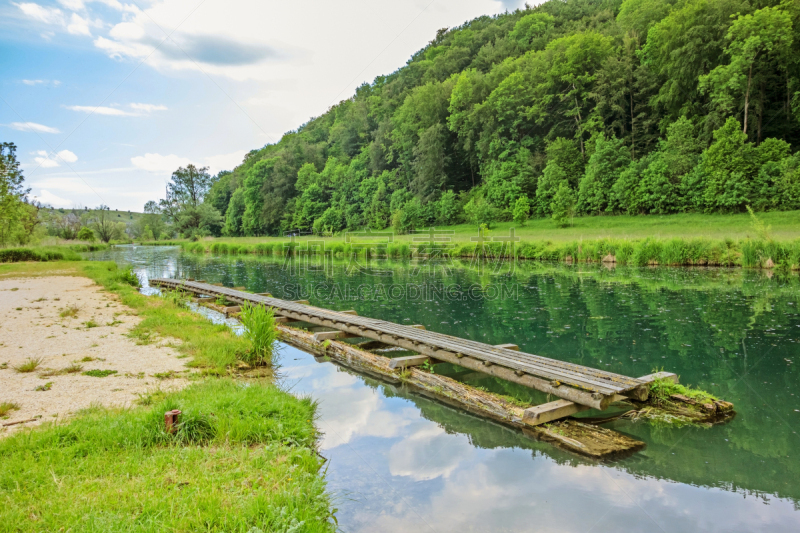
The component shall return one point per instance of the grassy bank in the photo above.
(749, 253)
(70, 252)
(243, 457)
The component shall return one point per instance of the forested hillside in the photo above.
(574, 106)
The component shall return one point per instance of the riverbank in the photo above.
(243, 456)
(749, 253)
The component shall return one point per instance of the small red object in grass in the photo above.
(171, 420)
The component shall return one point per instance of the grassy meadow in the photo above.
(770, 240)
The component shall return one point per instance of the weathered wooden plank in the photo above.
(507, 347)
(411, 360)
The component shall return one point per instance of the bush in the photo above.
(86, 234)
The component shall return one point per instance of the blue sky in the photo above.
(105, 98)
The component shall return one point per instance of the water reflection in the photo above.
(400, 461)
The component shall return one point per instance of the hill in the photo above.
(572, 107)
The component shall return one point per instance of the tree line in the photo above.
(570, 107)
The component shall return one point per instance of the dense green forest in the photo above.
(570, 107)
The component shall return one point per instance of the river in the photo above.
(401, 462)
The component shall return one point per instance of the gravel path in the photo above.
(31, 327)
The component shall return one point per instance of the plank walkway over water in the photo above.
(582, 385)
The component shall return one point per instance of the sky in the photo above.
(104, 99)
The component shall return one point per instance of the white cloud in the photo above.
(78, 25)
(46, 197)
(44, 160)
(148, 108)
(32, 126)
(225, 161)
(167, 164)
(162, 164)
(101, 110)
(73, 5)
(50, 159)
(67, 156)
(48, 15)
(138, 109)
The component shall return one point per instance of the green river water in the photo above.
(401, 462)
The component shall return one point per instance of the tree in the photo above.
(758, 43)
(552, 178)
(522, 209)
(480, 212)
(12, 194)
(198, 221)
(563, 205)
(189, 185)
(610, 157)
(103, 226)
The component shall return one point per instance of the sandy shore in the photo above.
(31, 326)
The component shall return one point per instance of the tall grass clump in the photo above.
(264, 248)
(259, 329)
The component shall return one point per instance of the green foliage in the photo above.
(563, 205)
(479, 211)
(259, 329)
(633, 103)
(86, 234)
(610, 157)
(522, 209)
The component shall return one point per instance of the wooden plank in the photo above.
(327, 335)
(507, 347)
(339, 335)
(547, 412)
(411, 360)
(282, 320)
(234, 309)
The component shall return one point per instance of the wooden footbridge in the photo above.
(579, 387)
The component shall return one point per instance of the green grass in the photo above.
(662, 389)
(242, 458)
(784, 226)
(259, 329)
(7, 407)
(31, 364)
(97, 373)
(687, 239)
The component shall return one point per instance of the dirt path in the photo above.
(95, 338)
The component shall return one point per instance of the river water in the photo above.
(401, 462)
